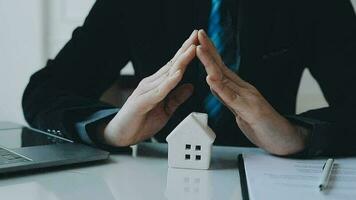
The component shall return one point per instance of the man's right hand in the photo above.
(154, 101)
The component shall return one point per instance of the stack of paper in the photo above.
(276, 178)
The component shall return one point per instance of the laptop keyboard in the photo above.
(7, 157)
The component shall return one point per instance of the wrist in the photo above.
(296, 141)
(110, 134)
(117, 133)
(284, 137)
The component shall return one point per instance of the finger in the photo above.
(224, 92)
(150, 85)
(193, 39)
(183, 60)
(168, 85)
(157, 94)
(223, 102)
(181, 64)
(205, 41)
(178, 97)
(210, 65)
(232, 85)
(159, 73)
(211, 49)
(209, 46)
(234, 77)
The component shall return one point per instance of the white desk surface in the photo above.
(123, 177)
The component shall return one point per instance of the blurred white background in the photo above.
(31, 32)
(34, 30)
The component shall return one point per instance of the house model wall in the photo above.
(190, 143)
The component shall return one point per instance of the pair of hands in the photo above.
(156, 98)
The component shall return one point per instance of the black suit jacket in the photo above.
(279, 39)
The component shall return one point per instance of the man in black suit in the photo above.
(273, 43)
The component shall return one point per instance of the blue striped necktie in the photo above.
(225, 38)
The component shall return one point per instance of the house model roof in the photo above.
(194, 120)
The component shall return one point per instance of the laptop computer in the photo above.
(24, 148)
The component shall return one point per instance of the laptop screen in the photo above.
(17, 137)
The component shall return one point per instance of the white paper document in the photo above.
(270, 177)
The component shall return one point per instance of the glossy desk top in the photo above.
(124, 177)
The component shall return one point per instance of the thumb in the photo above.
(178, 97)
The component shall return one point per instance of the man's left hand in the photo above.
(257, 119)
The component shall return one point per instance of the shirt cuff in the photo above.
(316, 142)
(82, 127)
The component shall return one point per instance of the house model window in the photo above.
(187, 156)
(190, 143)
(198, 157)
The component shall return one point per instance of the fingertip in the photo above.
(202, 33)
(202, 36)
(194, 37)
(193, 33)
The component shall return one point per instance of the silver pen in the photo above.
(326, 173)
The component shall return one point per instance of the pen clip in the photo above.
(327, 162)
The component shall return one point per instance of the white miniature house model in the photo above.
(190, 143)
